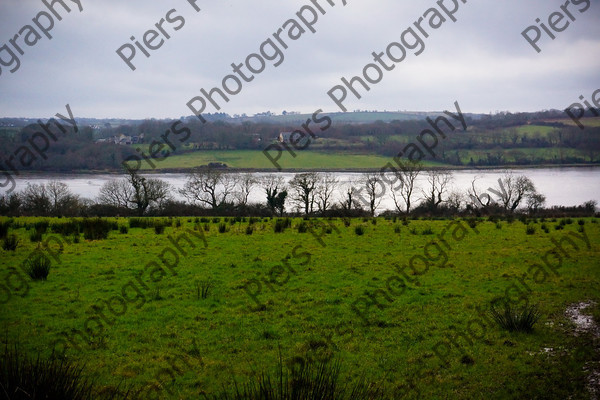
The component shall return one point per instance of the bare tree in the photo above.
(276, 192)
(135, 192)
(303, 187)
(438, 184)
(535, 202)
(116, 193)
(62, 201)
(455, 201)
(326, 186)
(374, 188)
(36, 200)
(349, 201)
(407, 173)
(146, 192)
(514, 190)
(477, 198)
(245, 183)
(210, 187)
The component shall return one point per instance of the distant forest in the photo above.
(498, 140)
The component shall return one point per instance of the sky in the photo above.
(481, 60)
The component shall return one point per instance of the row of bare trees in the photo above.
(409, 187)
(511, 193)
(312, 193)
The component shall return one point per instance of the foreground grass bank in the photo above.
(178, 311)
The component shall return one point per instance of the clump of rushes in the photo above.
(249, 230)
(516, 319)
(530, 229)
(10, 243)
(38, 266)
(359, 230)
(159, 228)
(303, 381)
(223, 227)
(302, 227)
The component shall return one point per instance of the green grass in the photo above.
(308, 312)
(256, 159)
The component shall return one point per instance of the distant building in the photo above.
(123, 139)
(284, 137)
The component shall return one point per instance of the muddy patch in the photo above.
(585, 324)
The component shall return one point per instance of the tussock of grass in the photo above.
(516, 319)
(305, 381)
(38, 266)
(10, 243)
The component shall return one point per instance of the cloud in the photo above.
(481, 60)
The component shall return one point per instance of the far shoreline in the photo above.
(149, 171)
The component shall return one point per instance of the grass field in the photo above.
(316, 160)
(256, 159)
(306, 295)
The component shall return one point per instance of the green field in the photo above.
(292, 294)
(255, 159)
(316, 160)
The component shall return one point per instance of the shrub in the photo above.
(159, 228)
(38, 266)
(516, 320)
(10, 243)
(123, 229)
(359, 230)
(65, 228)
(96, 229)
(249, 230)
(35, 236)
(223, 227)
(144, 223)
(282, 224)
(530, 230)
(302, 227)
(4, 226)
(41, 226)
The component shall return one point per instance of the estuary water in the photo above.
(561, 186)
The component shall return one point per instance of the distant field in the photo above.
(533, 155)
(292, 293)
(529, 129)
(256, 159)
(591, 122)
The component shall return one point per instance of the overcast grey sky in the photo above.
(481, 60)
